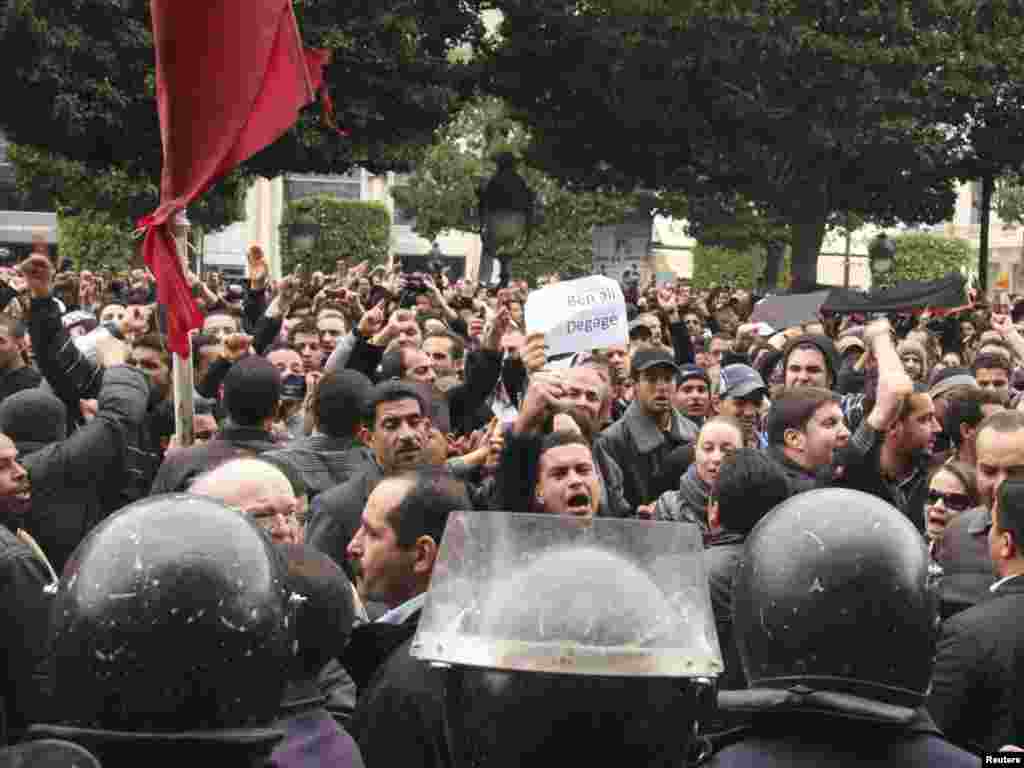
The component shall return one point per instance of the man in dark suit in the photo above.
(963, 552)
(974, 696)
(399, 715)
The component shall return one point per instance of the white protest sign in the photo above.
(577, 315)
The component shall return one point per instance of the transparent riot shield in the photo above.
(547, 593)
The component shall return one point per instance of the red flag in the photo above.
(231, 77)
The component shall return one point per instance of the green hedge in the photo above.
(350, 229)
(924, 256)
(713, 265)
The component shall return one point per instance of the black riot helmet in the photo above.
(171, 617)
(584, 645)
(833, 595)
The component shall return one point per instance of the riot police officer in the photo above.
(568, 640)
(171, 637)
(835, 621)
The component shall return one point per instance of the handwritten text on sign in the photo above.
(577, 315)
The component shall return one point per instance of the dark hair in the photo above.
(966, 409)
(964, 473)
(325, 615)
(562, 438)
(1010, 497)
(750, 485)
(252, 390)
(307, 325)
(458, 345)
(433, 493)
(990, 361)
(157, 342)
(389, 392)
(793, 407)
(299, 305)
(338, 403)
(199, 342)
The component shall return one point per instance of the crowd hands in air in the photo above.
(348, 414)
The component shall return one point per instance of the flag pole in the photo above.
(183, 385)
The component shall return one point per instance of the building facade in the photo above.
(267, 200)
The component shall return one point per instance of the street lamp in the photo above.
(881, 254)
(304, 233)
(506, 214)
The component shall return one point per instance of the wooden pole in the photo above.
(183, 386)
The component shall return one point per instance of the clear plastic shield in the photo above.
(548, 593)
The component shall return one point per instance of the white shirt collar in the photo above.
(1002, 581)
(400, 613)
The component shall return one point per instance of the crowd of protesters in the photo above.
(336, 410)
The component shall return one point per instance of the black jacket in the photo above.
(797, 478)
(323, 461)
(637, 449)
(335, 515)
(810, 741)
(978, 681)
(72, 479)
(399, 720)
(25, 612)
(182, 467)
(721, 559)
(17, 380)
(966, 565)
(862, 471)
(72, 376)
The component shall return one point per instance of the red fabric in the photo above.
(231, 78)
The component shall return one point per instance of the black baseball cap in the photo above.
(652, 357)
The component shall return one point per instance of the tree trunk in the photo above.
(807, 216)
(988, 183)
(774, 251)
(807, 235)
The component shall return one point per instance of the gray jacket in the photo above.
(632, 451)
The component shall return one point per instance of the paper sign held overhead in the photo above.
(589, 313)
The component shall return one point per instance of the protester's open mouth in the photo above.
(578, 504)
(24, 494)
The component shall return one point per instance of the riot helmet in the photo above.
(560, 636)
(832, 595)
(172, 616)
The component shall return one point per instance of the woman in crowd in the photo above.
(719, 437)
(952, 489)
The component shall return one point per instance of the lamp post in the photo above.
(304, 232)
(881, 254)
(506, 214)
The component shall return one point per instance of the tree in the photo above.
(95, 240)
(72, 188)
(808, 109)
(442, 193)
(986, 86)
(924, 256)
(349, 229)
(78, 77)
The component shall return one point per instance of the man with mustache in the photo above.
(395, 428)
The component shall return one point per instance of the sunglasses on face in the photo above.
(957, 502)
